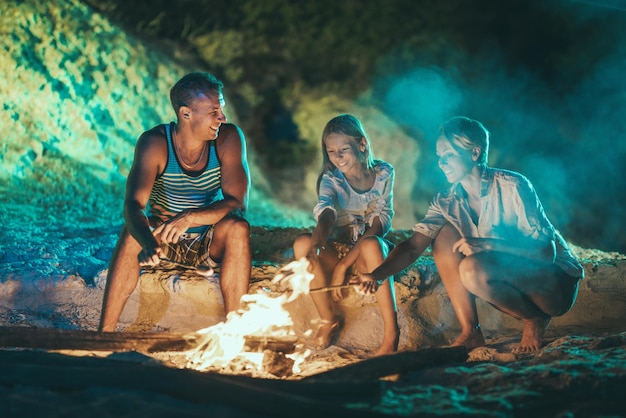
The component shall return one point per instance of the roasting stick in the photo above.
(316, 290)
(329, 288)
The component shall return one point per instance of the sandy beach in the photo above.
(55, 281)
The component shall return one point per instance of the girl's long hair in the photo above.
(351, 126)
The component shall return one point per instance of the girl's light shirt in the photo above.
(510, 210)
(355, 209)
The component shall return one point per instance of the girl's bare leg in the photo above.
(372, 253)
(327, 260)
(385, 296)
(532, 335)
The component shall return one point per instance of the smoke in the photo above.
(564, 131)
(422, 98)
(597, 157)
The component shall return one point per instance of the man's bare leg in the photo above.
(122, 279)
(231, 242)
(463, 302)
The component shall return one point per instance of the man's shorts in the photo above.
(191, 250)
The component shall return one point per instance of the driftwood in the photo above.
(142, 342)
(59, 339)
(147, 342)
(265, 397)
(392, 364)
(325, 393)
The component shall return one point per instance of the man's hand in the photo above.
(150, 256)
(171, 230)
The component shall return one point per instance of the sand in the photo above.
(55, 279)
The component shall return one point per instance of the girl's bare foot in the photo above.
(389, 344)
(532, 335)
(326, 332)
(470, 339)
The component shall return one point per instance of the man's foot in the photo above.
(470, 339)
(326, 332)
(532, 335)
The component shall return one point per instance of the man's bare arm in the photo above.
(231, 147)
(149, 160)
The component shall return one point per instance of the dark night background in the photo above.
(545, 77)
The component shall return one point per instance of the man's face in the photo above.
(207, 114)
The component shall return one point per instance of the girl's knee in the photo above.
(301, 244)
(371, 245)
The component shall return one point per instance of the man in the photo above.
(185, 195)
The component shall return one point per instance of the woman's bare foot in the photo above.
(532, 335)
(470, 339)
(326, 332)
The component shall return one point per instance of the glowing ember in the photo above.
(261, 316)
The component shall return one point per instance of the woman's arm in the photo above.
(401, 257)
(542, 251)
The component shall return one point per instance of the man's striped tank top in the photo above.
(176, 189)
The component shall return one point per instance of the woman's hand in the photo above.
(367, 283)
(470, 246)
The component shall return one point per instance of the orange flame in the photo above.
(261, 315)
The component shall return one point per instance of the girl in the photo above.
(353, 213)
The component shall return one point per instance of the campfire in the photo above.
(259, 341)
(255, 354)
(259, 338)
